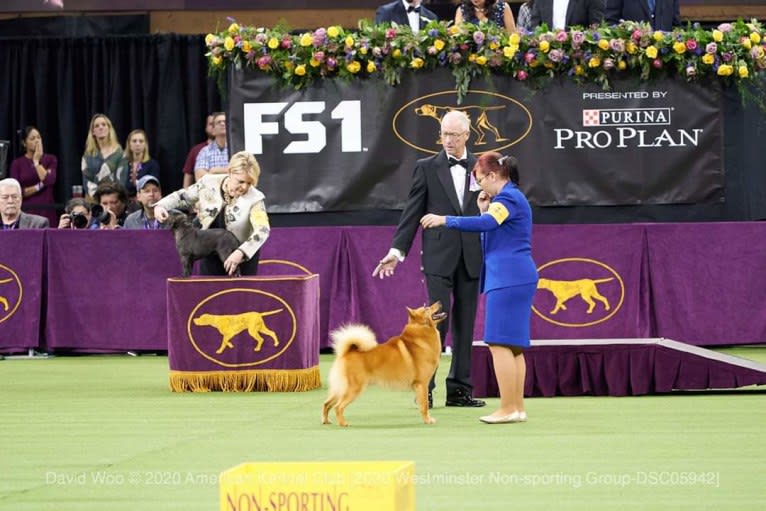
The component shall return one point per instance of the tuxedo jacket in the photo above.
(667, 13)
(396, 12)
(29, 221)
(579, 12)
(433, 191)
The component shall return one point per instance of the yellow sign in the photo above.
(317, 486)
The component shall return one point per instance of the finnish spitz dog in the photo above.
(407, 360)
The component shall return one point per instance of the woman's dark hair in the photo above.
(23, 133)
(503, 166)
(469, 11)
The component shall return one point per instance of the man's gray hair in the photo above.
(458, 115)
(9, 181)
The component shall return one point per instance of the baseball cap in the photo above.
(146, 179)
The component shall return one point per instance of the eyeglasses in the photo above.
(451, 134)
(480, 179)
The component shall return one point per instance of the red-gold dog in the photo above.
(407, 360)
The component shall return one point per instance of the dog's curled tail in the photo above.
(349, 337)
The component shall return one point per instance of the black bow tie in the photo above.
(413, 9)
(455, 161)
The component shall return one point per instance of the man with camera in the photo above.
(77, 215)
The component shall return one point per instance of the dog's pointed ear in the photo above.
(410, 312)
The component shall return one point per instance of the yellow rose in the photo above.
(725, 70)
(651, 52)
(594, 62)
(679, 47)
(273, 43)
(621, 65)
(603, 44)
(246, 46)
(515, 39)
(354, 67)
(333, 31)
(300, 70)
(371, 67)
(306, 40)
(481, 60)
(454, 30)
(228, 43)
(579, 70)
(708, 58)
(416, 63)
(289, 65)
(717, 36)
(439, 44)
(631, 47)
(217, 60)
(472, 57)
(545, 46)
(494, 45)
(743, 72)
(396, 53)
(658, 35)
(314, 62)
(233, 28)
(755, 37)
(209, 39)
(349, 41)
(363, 50)
(510, 51)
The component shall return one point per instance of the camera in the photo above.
(78, 220)
(98, 212)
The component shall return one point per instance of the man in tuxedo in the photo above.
(10, 208)
(405, 12)
(451, 260)
(662, 14)
(561, 14)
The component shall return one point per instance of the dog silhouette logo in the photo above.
(583, 293)
(242, 327)
(497, 121)
(11, 292)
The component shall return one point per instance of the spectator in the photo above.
(524, 20)
(140, 163)
(149, 192)
(36, 173)
(10, 208)
(112, 202)
(562, 14)
(403, 12)
(77, 215)
(191, 158)
(662, 14)
(214, 157)
(104, 159)
(486, 11)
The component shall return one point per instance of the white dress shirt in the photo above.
(560, 13)
(414, 17)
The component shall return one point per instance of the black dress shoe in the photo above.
(462, 398)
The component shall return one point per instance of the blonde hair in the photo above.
(245, 163)
(129, 153)
(91, 144)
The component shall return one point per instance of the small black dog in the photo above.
(193, 244)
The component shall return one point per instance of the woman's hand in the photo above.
(65, 222)
(38, 154)
(430, 220)
(233, 261)
(483, 201)
(160, 213)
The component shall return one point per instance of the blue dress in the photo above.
(494, 16)
(509, 275)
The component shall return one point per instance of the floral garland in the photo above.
(733, 52)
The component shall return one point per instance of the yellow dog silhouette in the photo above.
(4, 300)
(479, 127)
(230, 325)
(564, 290)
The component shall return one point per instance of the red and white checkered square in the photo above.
(590, 118)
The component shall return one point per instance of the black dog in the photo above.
(193, 244)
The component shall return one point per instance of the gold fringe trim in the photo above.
(263, 380)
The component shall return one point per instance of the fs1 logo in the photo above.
(265, 119)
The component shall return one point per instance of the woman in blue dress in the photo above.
(483, 11)
(508, 278)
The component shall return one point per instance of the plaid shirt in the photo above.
(212, 156)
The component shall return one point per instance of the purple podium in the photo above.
(243, 334)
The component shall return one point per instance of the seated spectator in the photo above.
(662, 14)
(524, 20)
(104, 159)
(562, 14)
(140, 163)
(191, 158)
(10, 208)
(77, 215)
(112, 199)
(402, 12)
(149, 192)
(214, 157)
(486, 11)
(36, 173)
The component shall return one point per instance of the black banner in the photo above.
(342, 146)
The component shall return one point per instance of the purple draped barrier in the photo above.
(106, 289)
(708, 282)
(21, 285)
(243, 334)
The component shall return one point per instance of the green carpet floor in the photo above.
(105, 433)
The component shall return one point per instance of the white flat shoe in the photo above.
(500, 419)
(522, 416)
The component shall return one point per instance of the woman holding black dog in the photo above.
(509, 277)
(230, 201)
